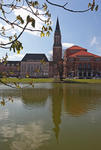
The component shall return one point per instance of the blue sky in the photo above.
(76, 28)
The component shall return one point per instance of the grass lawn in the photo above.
(98, 81)
(26, 80)
(48, 80)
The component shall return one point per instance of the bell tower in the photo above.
(57, 46)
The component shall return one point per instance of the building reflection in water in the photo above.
(57, 96)
(80, 99)
(34, 96)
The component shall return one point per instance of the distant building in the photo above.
(77, 62)
(34, 65)
(10, 69)
(81, 64)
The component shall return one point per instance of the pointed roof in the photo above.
(84, 53)
(57, 29)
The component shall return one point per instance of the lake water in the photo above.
(51, 117)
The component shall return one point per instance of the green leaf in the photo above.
(89, 5)
(45, 6)
(96, 8)
(50, 28)
(20, 19)
(33, 23)
(10, 38)
(42, 34)
(92, 8)
(28, 19)
(48, 33)
(36, 3)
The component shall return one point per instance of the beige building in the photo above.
(35, 65)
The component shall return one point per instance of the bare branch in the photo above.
(67, 9)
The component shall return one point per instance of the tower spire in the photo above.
(57, 46)
(57, 26)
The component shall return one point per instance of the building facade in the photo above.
(10, 69)
(76, 62)
(79, 63)
(34, 65)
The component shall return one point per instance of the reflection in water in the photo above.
(4, 114)
(80, 99)
(34, 96)
(57, 95)
(31, 129)
(25, 136)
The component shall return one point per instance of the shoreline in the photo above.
(50, 80)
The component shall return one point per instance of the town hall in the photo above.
(76, 62)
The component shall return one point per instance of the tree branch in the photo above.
(67, 9)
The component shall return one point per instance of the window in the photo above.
(89, 66)
(85, 66)
(80, 66)
(84, 59)
(97, 59)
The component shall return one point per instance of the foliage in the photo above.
(10, 23)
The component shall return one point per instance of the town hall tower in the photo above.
(57, 46)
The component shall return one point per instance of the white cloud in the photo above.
(4, 114)
(93, 41)
(95, 44)
(66, 45)
(23, 13)
(30, 135)
(15, 56)
(38, 23)
(50, 54)
(2, 40)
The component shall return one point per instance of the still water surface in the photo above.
(51, 117)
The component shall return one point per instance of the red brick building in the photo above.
(81, 64)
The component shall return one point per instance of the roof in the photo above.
(84, 53)
(13, 62)
(35, 57)
(75, 47)
(57, 29)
